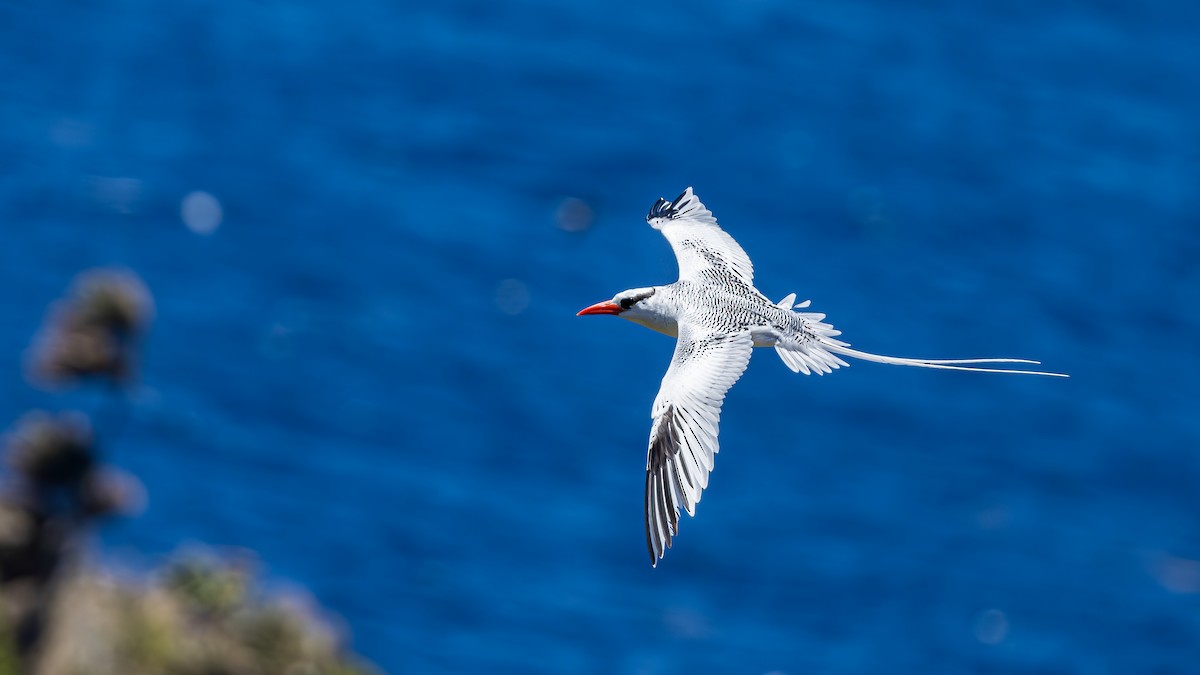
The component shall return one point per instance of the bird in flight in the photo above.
(717, 317)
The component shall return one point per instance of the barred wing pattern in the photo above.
(683, 438)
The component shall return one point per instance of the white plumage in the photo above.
(718, 317)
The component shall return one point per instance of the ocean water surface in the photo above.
(368, 227)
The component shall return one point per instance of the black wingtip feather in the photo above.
(665, 209)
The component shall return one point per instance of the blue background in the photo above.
(372, 375)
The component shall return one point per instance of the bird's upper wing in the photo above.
(683, 438)
(701, 246)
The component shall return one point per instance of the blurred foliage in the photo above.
(94, 331)
(199, 615)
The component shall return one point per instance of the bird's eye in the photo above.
(626, 303)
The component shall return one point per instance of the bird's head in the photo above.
(638, 305)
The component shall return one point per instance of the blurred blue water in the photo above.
(371, 372)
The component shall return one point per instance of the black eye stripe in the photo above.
(625, 303)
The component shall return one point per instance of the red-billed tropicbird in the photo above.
(717, 316)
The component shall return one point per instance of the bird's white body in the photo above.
(718, 317)
(766, 321)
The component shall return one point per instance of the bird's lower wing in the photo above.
(683, 438)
